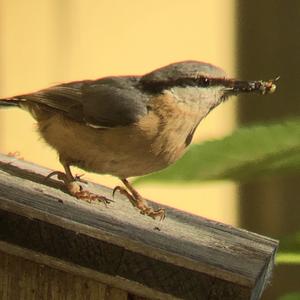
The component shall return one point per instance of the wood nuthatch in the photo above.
(129, 125)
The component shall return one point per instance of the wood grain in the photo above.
(185, 256)
(25, 280)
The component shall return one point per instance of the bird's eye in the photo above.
(205, 81)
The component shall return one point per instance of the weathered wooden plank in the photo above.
(115, 294)
(26, 280)
(71, 268)
(134, 297)
(185, 256)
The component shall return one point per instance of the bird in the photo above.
(129, 126)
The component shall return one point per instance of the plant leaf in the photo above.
(289, 251)
(291, 296)
(247, 154)
(288, 258)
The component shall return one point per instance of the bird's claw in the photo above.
(140, 204)
(76, 189)
(89, 197)
(78, 178)
(160, 213)
(117, 189)
(60, 175)
(124, 192)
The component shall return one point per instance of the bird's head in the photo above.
(201, 84)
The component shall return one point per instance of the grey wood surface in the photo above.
(185, 256)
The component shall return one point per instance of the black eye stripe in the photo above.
(160, 85)
(231, 85)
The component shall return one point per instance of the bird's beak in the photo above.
(233, 87)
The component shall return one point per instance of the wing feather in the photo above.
(107, 102)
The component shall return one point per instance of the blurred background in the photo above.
(46, 42)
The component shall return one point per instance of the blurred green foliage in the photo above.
(249, 153)
(289, 250)
(291, 296)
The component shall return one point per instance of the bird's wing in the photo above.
(107, 102)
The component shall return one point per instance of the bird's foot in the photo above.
(60, 175)
(76, 190)
(63, 176)
(139, 202)
(78, 178)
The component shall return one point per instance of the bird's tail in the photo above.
(9, 102)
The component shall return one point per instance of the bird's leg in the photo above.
(74, 188)
(138, 201)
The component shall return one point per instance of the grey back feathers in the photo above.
(115, 101)
(107, 102)
(185, 69)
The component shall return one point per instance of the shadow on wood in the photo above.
(183, 257)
